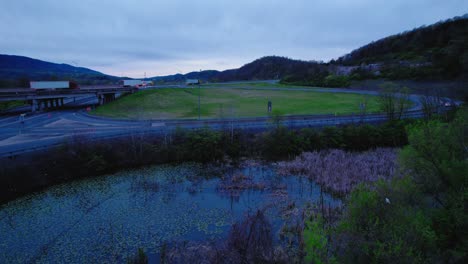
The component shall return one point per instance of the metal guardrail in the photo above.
(242, 119)
(252, 124)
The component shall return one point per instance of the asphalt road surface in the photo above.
(47, 129)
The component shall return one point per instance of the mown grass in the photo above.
(252, 85)
(230, 102)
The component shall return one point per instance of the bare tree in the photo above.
(393, 100)
(252, 238)
(402, 101)
(430, 102)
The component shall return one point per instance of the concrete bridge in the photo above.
(46, 99)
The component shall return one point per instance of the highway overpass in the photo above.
(44, 99)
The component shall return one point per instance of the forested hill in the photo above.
(19, 70)
(265, 68)
(270, 67)
(435, 52)
(444, 45)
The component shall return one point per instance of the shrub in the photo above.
(336, 81)
(379, 229)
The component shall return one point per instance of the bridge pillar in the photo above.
(61, 102)
(100, 99)
(109, 98)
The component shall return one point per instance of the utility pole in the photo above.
(199, 96)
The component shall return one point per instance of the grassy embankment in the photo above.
(231, 102)
(10, 104)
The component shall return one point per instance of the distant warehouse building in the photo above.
(192, 81)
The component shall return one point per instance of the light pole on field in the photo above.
(199, 96)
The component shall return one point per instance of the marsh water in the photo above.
(108, 218)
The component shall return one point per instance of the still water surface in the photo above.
(106, 219)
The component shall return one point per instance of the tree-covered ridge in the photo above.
(270, 67)
(435, 52)
(441, 47)
(265, 68)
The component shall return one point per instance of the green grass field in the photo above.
(248, 84)
(167, 103)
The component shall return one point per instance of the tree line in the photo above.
(81, 157)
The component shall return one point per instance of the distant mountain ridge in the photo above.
(21, 63)
(15, 68)
(438, 51)
(265, 68)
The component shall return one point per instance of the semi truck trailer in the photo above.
(46, 85)
(136, 83)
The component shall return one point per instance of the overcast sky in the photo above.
(161, 37)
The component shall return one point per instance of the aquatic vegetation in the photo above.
(235, 184)
(339, 171)
(107, 219)
(250, 240)
(140, 258)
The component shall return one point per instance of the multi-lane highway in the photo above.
(47, 129)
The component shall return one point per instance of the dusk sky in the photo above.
(161, 37)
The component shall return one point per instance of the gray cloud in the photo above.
(169, 36)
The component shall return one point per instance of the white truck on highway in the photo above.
(192, 81)
(136, 83)
(44, 85)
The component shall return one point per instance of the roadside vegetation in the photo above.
(80, 157)
(403, 184)
(232, 103)
(10, 104)
(416, 215)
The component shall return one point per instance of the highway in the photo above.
(48, 129)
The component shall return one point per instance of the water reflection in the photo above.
(109, 218)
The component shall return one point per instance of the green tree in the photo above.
(280, 143)
(420, 217)
(437, 155)
(336, 81)
(437, 159)
(316, 241)
(204, 145)
(386, 223)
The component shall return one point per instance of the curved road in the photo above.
(48, 129)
